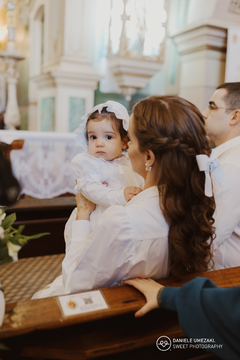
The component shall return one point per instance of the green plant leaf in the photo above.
(9, 237)
(2, 243)
(8, 221)
(6, 260)
(36, 236)
(22, 241)
(3, 253)
(15, 236)
(20, 228)
(3, 209)
(3, 347)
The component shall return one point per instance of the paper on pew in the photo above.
(81, 303)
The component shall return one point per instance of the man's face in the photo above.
(217, 118)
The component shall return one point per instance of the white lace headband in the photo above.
(206, 163)
(111, 106)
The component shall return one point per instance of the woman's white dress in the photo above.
(128, 241)
(90, 173)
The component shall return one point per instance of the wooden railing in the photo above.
(38, 329)
(15, 145)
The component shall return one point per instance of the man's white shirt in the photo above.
(226, 246)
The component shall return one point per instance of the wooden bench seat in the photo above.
(21, 279)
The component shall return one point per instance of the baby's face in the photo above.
(103, 140)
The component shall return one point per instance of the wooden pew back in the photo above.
(38, 326)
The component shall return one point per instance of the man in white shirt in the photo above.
(223, 128)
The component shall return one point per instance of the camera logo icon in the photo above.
(163, 343)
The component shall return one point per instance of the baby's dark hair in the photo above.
(117, 123)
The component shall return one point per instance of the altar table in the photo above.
(43, 165)
(38, 329)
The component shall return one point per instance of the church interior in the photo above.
(59, 59)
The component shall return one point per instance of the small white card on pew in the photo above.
(81, 303)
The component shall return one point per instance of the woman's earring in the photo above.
(147, 168)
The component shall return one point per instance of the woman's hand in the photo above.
(84, 207)
(150, 289)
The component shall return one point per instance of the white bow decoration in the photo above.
(206, 163)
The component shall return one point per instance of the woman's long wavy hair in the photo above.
(173, 129)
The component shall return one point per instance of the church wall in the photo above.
(178, 76)
(56, 29)
(196, 72)
(166, 81)
(22, 48)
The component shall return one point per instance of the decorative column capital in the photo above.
(12, 73)
(201, 37)
(132, 73)
(9, 62)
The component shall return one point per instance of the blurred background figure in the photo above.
(9, 186)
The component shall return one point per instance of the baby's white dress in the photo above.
(90, 173)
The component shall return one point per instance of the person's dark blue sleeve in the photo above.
(206, 311)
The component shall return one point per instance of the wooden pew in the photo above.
(15, 145)
(43, 215)
(38, 329)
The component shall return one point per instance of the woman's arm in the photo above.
(84, 207)
(101, 257)
(204, 311)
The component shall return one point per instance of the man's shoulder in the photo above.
(230, 164)
(229, 152)
(231, 156)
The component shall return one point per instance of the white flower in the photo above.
(2, 216)
(13, 250)
(1, 232)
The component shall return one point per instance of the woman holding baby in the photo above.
(166, 229)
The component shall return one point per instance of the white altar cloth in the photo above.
(43, 165)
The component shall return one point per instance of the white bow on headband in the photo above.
(205, 163)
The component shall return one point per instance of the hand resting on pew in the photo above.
(204, 311)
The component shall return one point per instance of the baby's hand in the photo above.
(131, 191)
